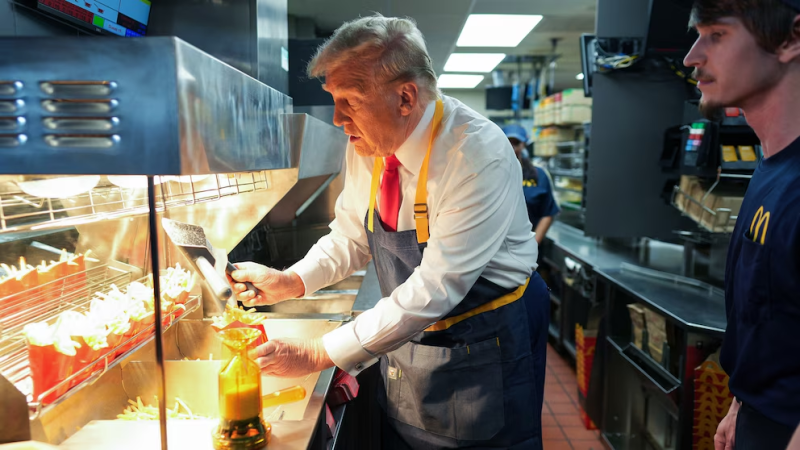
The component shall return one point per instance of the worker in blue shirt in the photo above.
(747, 55)
(536, 185)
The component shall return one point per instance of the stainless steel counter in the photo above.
(589, 250)
(698, 307)
(694, 304)
(196, 434)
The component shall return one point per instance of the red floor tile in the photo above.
(587, 445)
(562, 408)
(568, 380)
(553, 389)
(568, 420)
(557, 398)
(580, 433)
(552, 433)
(556, 445)
(563, 370)
(548, 420)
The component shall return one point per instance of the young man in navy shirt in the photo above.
(748, 56)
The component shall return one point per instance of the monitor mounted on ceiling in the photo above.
(127, 18)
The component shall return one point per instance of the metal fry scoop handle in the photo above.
(191, 240)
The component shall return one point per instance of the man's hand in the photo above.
(292, 358)
(275, 285)
(725, 439)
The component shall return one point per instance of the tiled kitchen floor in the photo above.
(562, 428)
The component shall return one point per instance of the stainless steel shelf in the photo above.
(567, 173)
(45, 303)
(571, 207)
(20, 211)
(563, 189)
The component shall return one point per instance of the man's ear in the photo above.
(409, 97)
(790, 50)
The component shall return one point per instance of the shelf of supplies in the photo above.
(571, 207)
(567, 173)
(569, 144)
(565, 189)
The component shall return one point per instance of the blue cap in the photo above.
(517, 132)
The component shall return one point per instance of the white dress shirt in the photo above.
(478, 227)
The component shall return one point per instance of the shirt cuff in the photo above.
(309, 271)
(346, 351)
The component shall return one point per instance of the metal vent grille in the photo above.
(12, 118)
(79, 114)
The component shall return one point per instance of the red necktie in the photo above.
(390, 193)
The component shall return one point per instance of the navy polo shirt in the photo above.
(538, 193)
(761, 350)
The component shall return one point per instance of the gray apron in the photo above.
(476, 384)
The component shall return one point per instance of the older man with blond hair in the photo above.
(433, 196)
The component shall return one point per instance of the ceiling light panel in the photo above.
(473, 62)
(496, 30)
(459, 81)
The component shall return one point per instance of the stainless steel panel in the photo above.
(229, 122)
(181, 111)
(317, 148)
(272, 40)
(321, 303)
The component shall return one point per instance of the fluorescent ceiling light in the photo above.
(473, 62)
(496, 30)
(456, 81)
(579, 76)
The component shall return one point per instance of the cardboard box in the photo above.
(656, 333)
(638, 323)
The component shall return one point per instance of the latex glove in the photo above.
(725, 438)
(275, 285)
(292, 358)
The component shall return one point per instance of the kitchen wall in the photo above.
(474, 98)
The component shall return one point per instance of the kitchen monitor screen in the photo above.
(118, 17)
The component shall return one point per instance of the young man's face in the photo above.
(732, 70)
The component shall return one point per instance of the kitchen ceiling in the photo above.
(441, 22)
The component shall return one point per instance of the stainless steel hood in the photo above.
(149, 106)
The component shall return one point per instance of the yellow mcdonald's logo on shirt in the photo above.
(529, 183)
(760, 218)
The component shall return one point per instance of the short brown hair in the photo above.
(770, 21)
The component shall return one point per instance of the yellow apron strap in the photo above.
(490, 306)
(421, 200)
(376, 180)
